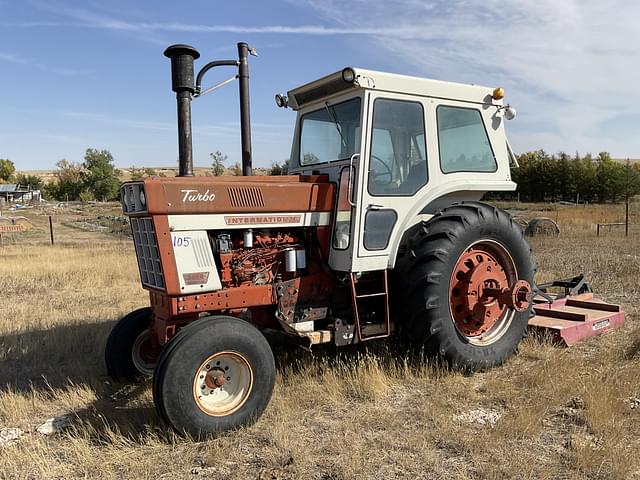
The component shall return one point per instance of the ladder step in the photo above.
(371, 295)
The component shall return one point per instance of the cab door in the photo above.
(394, 169)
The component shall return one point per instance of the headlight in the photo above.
(143, 200)
(348, 75)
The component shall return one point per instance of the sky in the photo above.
(86, 74)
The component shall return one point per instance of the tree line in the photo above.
(96, 178)
(540, 177)
(543, 177)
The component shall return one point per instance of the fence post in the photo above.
(51, 230)
(626, 217)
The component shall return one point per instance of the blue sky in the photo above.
(79, 74)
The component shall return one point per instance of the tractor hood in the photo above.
(254, 194)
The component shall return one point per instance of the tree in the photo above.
(136, 173)
(237, 169)
(631, 180)
(218, 162)
(100, 175)
(69, 182)
(34, 182)
(7, 169)
(280, 169)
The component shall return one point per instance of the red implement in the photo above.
(576, 317)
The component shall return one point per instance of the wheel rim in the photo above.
(482, 269)
(222, 383)
(142, 354)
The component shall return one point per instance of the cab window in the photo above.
(397, 162)
(330, 133)
(463, 142)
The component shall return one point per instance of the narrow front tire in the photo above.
(215, 375)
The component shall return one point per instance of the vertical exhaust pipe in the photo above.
(182, 83)
(245, 122)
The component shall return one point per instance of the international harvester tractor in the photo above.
(377, 230)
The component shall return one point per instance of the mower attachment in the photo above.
(574, 314)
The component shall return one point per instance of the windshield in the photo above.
(330, 133)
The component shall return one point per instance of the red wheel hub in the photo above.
(483, 286)
(147, 351)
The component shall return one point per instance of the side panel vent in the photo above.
(144, 238)
(132, 198)
(246, 196)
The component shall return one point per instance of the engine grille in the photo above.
(144, 238)
(246, 196)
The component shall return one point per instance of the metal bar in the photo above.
(605, 307)
(559, 314)
(209, 66)
(371, 295)
(354, 301)
(245, 121)
(217, 86)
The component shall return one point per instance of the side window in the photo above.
(397, 162)
(463, 141)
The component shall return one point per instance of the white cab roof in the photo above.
(390, 82)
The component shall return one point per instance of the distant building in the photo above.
(14, 193)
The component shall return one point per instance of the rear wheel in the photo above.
(216, 374)
(467, 277)
(129, 353)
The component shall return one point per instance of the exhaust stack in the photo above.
(182, 83)
(245, 121)
(182, 57)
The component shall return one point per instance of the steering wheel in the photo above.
(375, 175)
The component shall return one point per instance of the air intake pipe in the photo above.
(182, 83)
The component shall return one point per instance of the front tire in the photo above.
(463, 252)
(129, 353)
(216, 374)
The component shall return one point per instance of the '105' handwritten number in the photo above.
(181, 241)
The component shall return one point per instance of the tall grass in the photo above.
(371, 412)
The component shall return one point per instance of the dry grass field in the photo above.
(549, 413)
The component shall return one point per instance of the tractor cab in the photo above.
(399, 149)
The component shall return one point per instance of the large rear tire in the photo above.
(216, 374)
(129, 353)
(450, 264)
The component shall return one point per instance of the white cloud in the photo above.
(18, 60)
(570, 66)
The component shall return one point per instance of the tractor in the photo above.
(376, 231)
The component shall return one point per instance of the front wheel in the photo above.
(129, 353)
(467, 286)
(216, 374)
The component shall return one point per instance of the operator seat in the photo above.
(417, 178)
